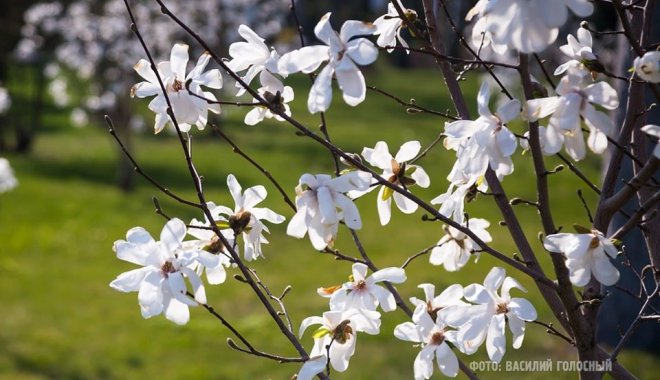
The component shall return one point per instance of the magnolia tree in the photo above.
(564, 113)
(91, 46)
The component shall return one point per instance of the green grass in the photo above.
(60, 320)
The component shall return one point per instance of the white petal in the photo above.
(421, 178)
(404, 204)
(523, 309)
(352, 28)
(177, 312)
(255, 116)
(384, 207)
(362, 51)
(604, 271)
(351, 82)
(509, 110)
(179, 60)
(495, 278)
(407, 331)
(312, 367)
(150, 295)
(130, 281)
(482, 99)
(408, 151)
(447, 360)
(351, 213)
(423, 366)
(306, 59)
(496, 340)
(173, 233)
(320, 94)
(517, 327)
(393, 275)
(602, 93)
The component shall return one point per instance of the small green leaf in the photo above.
(320, 333)
(387, 193)
(222, 224)
(581, 230)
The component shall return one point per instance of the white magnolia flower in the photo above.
(527, 25)
(433, 336)
(433, 305)
(188, 109)
(246, 219)
(579, 51)
(453, 200)
(363, 292)
(343, 54)
(213, 255)
(454, 249)
(160, 283)
(7, 179)
(481, 37)
(339, 330)
(575, 101)
(389, 25)
(486, 140)
(321, 203)
(398, 172)
(487, 319)
(653, 130)
(276, 94)
(586, 254)
(253, 56)
(647, 66)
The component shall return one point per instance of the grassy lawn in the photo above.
(60, 320)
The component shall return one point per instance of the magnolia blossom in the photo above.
(398, 172)
(188, 109)
(253, 56)
(647, 66)
(487, 319)
(339, 331)
(433, 305)
(389, 25)
(653, 130)
(276, 94)
(343, 54)
(580, 53)
(486, 140)
(586, 254)
(454, 249)
(481, 37)
(7, 179)
(208, 243)
(433, 336)
(575, 101)
(245, 218)
(160, 282)
(363, 292)
(321, 203)
(526, 25)
(453, 200)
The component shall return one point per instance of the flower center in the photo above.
(360, 285)
(275, 101)
(177, 85)
(167, 268)
(342, 332)
(437, 338)
(240, 221)
(502, 308)
(594, 243)
(215, 246)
